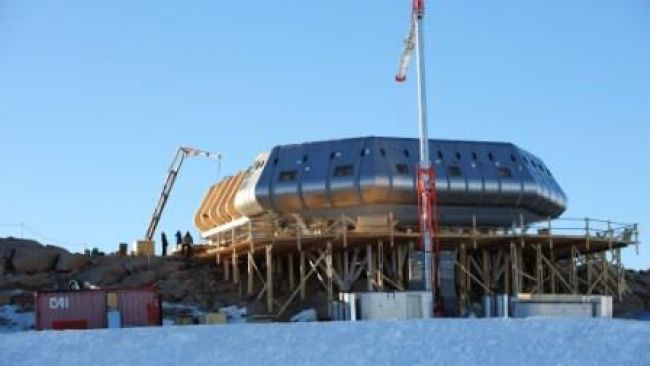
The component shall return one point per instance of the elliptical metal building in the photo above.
(343, 213)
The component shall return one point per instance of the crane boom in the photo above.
(174, 168)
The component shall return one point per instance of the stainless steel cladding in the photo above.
(493, 183)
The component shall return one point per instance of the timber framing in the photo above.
(281, 260)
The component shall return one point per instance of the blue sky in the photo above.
(95, 96)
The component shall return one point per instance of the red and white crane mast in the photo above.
(427, 202)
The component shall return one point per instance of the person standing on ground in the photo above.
(165, 243)
(188, 241)
(179, 239)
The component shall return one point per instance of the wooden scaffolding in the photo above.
(279, 259)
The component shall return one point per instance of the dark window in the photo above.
(275, 161)
(525, 160)
(304, 158)
(440, 155)
(513, 158)
(474, 156)
(491, 156)
(402, 169)
(454, 171)
(382, 152)
(504, 173)
(332, 155)
(458, 156)
(288, 176)
(344, 171)
(406, 153)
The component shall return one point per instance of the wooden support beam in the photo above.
(620, 274)
(269, 278)
(351, 271)
(590, 273)
(303, 280)
(485, 268)
(329, 272)
(380, 265)
(605, 272)
(463, 296)
(235, 267)
(514, 258)
(553, 280)
(226, 271)
(507, 273)
(250, 286)
(346, 254)
(292, 279)
(369, 269)
(574, 270)
(539, 279)
(402, 252)
(473, 277)
(555, 270)
(409, 262)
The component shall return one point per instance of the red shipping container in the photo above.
(71, 310)
(89, 309)
(139, 307)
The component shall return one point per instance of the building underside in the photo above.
(279, 262)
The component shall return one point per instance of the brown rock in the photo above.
(71, 262)
(172, 290)
(138, 264)
(39, 281)
(167, 268)
(109, 272)
(141, 279)
(34, 260)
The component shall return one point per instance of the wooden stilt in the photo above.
(250, 285)
(369, 269)
(380, 265)
(486, 269)
(226, 271)
(235, 267)
(329, 272)
(269, 278)
(292, 280)
(463, 298)
(303, 281)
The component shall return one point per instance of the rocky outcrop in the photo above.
(34, 260)
(105, 273)
(140, 279)
(639, 299)
(71, 262)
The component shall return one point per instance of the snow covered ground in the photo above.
(13, 321)
(433, 342)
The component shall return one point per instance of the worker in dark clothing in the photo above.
(187, 244)
(179, 239)
(165, 243)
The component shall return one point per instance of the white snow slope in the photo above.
(453, 342)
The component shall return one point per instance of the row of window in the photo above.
(403, 168)
(440, 155)
(400, 169)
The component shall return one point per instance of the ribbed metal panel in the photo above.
(498, 183)
(139, 307)
(70, 310)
